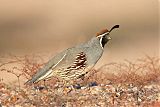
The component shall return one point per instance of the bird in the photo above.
(74, 62)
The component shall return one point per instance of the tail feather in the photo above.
(39, 75)
(30, 82)
(46, 71)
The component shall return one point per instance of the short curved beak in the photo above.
(109, 38)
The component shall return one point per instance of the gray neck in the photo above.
(94, 49)
(94, 42)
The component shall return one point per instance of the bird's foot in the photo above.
(40, 88)
(92, 84)
(77, 86)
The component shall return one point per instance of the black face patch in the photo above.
(104, 41)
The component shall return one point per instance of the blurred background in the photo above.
(35, 26)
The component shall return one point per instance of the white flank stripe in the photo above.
(50, 71)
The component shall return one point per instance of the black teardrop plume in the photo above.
(116, 26)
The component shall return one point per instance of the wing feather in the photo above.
(45, 71)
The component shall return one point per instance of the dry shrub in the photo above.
(22, 66)
(142, 71)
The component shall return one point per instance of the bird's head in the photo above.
(104, 37)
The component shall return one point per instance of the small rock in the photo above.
(96, 90)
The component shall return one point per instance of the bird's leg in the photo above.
(78, 83)
(81, 81)
(44, 83)
(41, 86)
(82, 76)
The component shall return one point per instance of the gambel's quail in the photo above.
(74, 62)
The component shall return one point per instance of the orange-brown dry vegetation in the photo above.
(126, 84)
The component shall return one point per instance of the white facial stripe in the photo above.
(100, 41)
